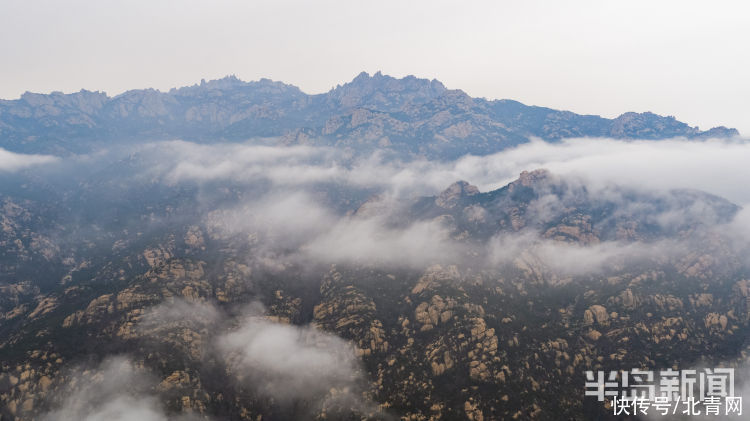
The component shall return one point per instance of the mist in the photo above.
(717, 166)
(115, 390)
(300, 204)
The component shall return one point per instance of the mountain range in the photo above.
(413, 116)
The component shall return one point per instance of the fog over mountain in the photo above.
(388, 250)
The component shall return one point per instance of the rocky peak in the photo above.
(648, 125)
(86, 101)
(386, 93)
(720, 131)
(386, 82)
(374, 206)
(456, 191)
(232, 83)
(225, 83)
(532, 178)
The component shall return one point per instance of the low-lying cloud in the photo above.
(718, 166)
(12, 161)
(116, 390)
(300, 368)
(289, 362)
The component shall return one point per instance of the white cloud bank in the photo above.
(718, 166)
(289, 362)
(12, 161)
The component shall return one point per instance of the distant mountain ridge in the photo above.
(408, 116)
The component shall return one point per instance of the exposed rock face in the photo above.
(372, 207)
(434, 276)
(351, 314)
(596, 313)
(530, 179)
(457, 191)
(385, 93)
(627, 299)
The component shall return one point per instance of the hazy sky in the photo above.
(684, 58)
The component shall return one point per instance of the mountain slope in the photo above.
(460, 338)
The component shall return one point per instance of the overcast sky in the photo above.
(684, 58)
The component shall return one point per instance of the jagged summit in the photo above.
(648, 124)
(531, 178)
(378, 78)
(456, 191)
(539, 199)
(232, 84)
(384, 92)
(227, 82)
